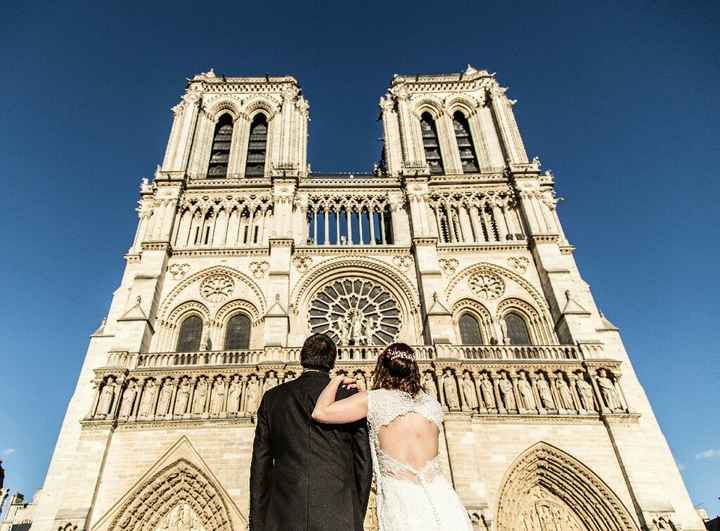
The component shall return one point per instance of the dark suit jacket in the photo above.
(307, 476)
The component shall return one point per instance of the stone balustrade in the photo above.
(157, 387)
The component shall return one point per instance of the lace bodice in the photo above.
(385, 405)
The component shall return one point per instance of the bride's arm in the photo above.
(329, 411)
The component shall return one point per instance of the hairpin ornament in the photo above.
(395, 353)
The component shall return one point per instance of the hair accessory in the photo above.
(395, 353)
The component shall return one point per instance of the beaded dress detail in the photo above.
(410, 499)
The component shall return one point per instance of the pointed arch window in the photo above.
(431, 145)
(220, 151)
(237, 335)
(517, 330)
(257, 147)
(470, 330)
(465, 143)
(190, 334)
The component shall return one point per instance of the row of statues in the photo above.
(183, 397)
(524, 391)
(485, 391)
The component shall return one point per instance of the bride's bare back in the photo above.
(411, 439)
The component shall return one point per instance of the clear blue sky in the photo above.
(620, 101)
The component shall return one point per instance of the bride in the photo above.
(404, 424)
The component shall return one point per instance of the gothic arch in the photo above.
(221, 107)
(539, 327)
(395, 283)
(198, 277)
(429, 105)
(231, 308)
(479, 311)
(546, 484)
(466, 104)
(260, 104)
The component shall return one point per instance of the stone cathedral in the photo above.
(452, 243)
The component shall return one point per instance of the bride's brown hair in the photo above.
(396, 368)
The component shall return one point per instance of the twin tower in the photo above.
(452, 244)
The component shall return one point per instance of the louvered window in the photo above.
(257, 147)
(465, 143)
(470, 330)
(517, 329)
(238, 333)
(220, 151)
(190, 334)
(431, 144)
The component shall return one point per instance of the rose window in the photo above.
(487, 285)
(217, 287)
(355, 311)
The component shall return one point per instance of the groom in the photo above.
(307, 476)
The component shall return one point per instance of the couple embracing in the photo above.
(319, 441)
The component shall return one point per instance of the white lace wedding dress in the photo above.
(409, 499)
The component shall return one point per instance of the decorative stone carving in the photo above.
(506, 393)
(519, 263)
(566, 400)
(235, 395)
(178, 271)
(217, 399)
(128, 400)
(546, 398)
(486, 389)
(165, 399)
(468, 389)
(270, 381)
(355, 311)
(585, 393)
(217, 287)
(428, 384)
(181, 518)
(302, 263)
(487, 285)
(107, 396)
(527, 398)
(608, 392)
(258, 269)
(402, 262)
(449, 265)
(201, 393)
(252, 395)
(361, 380)
(147, 402)
(450, 391)
(183, 396)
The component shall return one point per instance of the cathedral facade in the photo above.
(452, 244)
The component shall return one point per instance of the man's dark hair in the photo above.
(318, 352)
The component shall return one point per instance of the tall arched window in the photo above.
(517, 329)
(470, 330)
(431, 144)
(257, 147)
(465, 143)
(220, 152)
(190, 334)
(237, 335)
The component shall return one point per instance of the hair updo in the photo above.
(396, 368)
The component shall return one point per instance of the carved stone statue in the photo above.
(183, 397)
(566, 401)
(128, 400)
(270, 382)
(252, 395)
(428, 384)
(343, 331)
(217, 399)
(585, 392)
(369, 330)
(163, 407)
(546, 398)
(488, 394)
(468, 387)
(201, 392)
(234, 395)
(451, 391)
(608, 392)
(147, 402)
(526, 393)
(503, 330)
(506, 392)
(356, 327)
(106, 398)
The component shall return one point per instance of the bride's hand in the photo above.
(347, 381)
